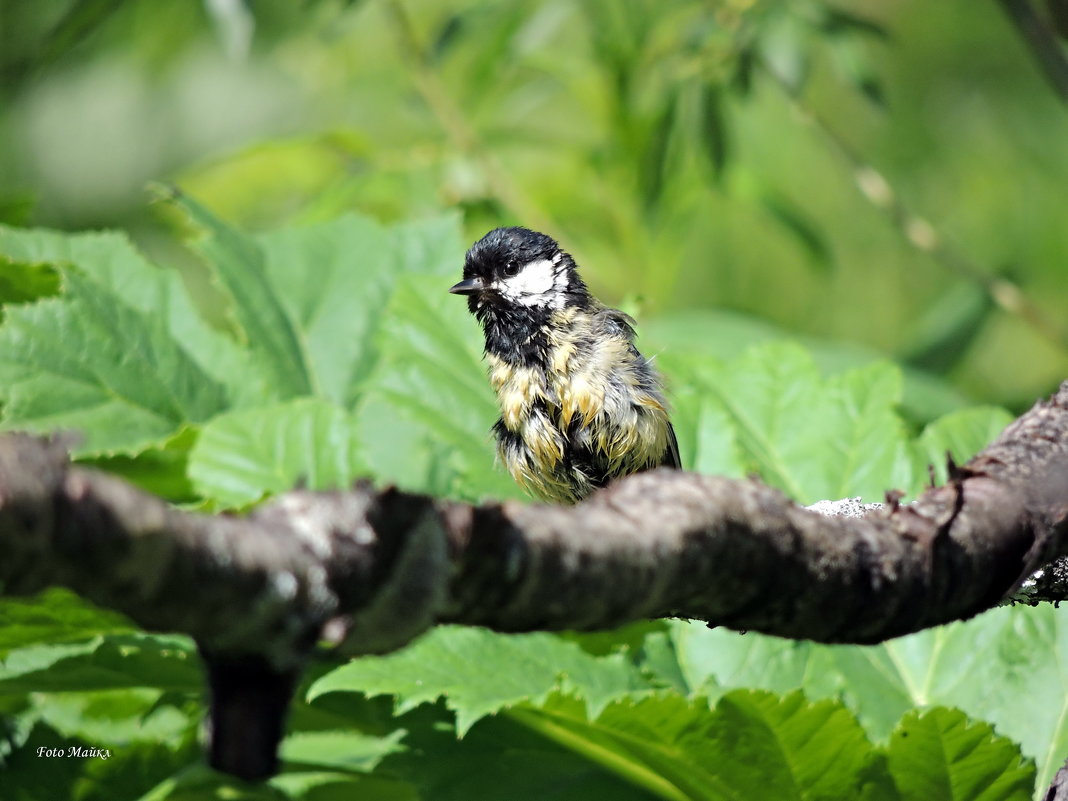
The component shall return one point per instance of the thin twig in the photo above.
(917, 231)
(1042, 43)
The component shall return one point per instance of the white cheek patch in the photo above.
(537, 283)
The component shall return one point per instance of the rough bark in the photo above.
(382, 565)
(371, 569)
(1058, 788)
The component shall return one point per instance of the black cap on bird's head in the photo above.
(517, 267)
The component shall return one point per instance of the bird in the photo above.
(579, 405)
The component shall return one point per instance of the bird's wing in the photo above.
(615, 323)
(671, 455)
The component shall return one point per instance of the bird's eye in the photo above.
(511, 268)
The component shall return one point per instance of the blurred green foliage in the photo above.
(735, 172)
(659, 140)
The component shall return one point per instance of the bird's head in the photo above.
(515, 269)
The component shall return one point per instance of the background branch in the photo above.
(918, 232)
(1042, 43)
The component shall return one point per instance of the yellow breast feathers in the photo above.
(595, 395)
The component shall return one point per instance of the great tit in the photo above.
(579, 404)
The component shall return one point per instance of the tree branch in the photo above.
(384, 565)
(371, 569)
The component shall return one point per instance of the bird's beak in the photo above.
(469, 286)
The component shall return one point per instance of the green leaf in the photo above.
(161, 468)
(939, 755)
(257, 307)
(54, 616)
(310, 299)
(242, 456)
(355, 263)
(961, 434)
(114, 661)
(948, 329)
(110, 260)
(768, 395)
(22, 283)
(425, 421)
(812, 438)
(340, 749)
(869, 451)
(42, 776)
(713, 335)
(479, 673)
(197, 782)
(428, 246)
(718, 660)
(713, 126)
(708, 442)
(113, 717)
(332, 280)
(332, 786)
(499, 758)
(1005, 666)
(135, 769)
(797, 223)
(89, 362)
(751, 745)
(810, 750)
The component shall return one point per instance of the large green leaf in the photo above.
(309, 299)
(750, 745)
(123, 356)
(242, 456)
(1005, 667)
(22, 283)
(708, 442)
(960, 435)
(869, 453)
(312, 785)
(334, 279)
(89, 362)
(110, 260)
(134, 770)
(54, 616)
(111, 717)
(267, 329)
(498, 758)
(115, 661)
(162, 468)
(939, 755)
(814, 438)
(479, 673)
(426, 419)
(712, 335)
(340, 749)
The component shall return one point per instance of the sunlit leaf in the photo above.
(479, 673)
(960, 435)
(940, 755)
(248, 454)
